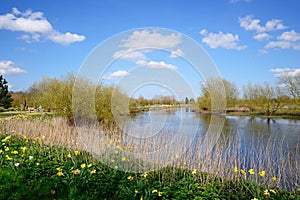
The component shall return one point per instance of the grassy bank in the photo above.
(45, 159)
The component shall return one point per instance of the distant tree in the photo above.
(5, 95)
(186, 101)
(262, 98)
(291, 83)
(212, 89)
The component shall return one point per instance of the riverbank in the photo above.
(31, 169)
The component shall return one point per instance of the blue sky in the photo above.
(248, 40)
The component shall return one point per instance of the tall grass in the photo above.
(269, 155)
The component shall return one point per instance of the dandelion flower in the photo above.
(159, 194)
(124, 159)
(59, 169)
(77, 153)
(112, 160)
(243, 172)
(83, 165)
(145, 175)
(93, 171)
(6, 148)
(130, 178)
(1, 151)
(154, 191)
(262, 173)
(14, 152)
(136, 191)
(69, 156)
(89, 165)
(194, 171)
(6, 138)
(251, 171)
(274, 178)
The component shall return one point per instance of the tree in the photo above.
(263, 98)
(291, 82)
(5, 96)
(212, 88)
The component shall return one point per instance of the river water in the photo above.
(256, 142)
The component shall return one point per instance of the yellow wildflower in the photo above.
(59, 169)
(6, 138)
(6, 148)
(154, 191)
(159, 194)
(141, 198)
(145, 175)
(254, 198)
(273, 191)
(251, 171)
(124, 159)
(77, 153)
(243, 172)
(112, 160)
(116, 167)
(236, 170)
(194, 171)
(14, 152)
(1, 151)
(23, 149)
(89, 165)
(176, 156)
(274, 178)
(262, 173)
(93, 171)
(83, 165)
(8, 158)
(266, 192)
(60, 173)
(69, 155)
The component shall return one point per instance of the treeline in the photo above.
(264, 98)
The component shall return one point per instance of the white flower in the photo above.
(37, 164)
(17, 164)
(30, 157)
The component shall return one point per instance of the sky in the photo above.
(247, 40)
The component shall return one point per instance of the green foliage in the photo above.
(39, 171)
(5, 95)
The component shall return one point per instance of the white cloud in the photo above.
(203, 32)
(161, 65)
(224, 40)
(115, 75)
(285, 71)
(288, 39)
(130, 55)
(177, 53)
(251, 24)
(8, 67)
(292, 36)
(35, 25)
(262, 36)
(145, 38)
(66, 38)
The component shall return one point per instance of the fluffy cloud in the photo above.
(130, 55)
(224, 40)
(288, 39)
(35, 25)
(262, 36)
(177, 53)
(285, 71)
(145, 38)
(115, 75)
(251, 24)
(8, 67)
(161, 65)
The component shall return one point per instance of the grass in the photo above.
(44, 159)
